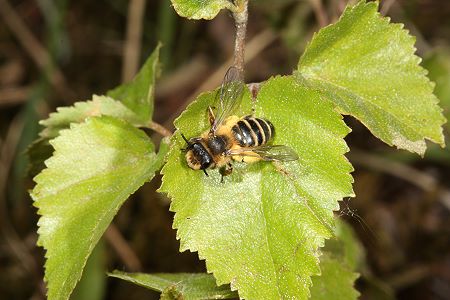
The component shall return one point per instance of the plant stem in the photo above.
(240, 21)
(132, 47)
(159, 129)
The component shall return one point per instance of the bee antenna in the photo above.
(185, 139)
(204, 171)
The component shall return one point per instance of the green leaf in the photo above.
(367, 67)
(336, 281)
(184, 285)
(342, 255)
(92, 284)
(138, 95)
(164, 147)
(200, 9)
(40, 149)
(438, 65)
(95, 167)
(346, 246)
(260, 230)
(98, 106)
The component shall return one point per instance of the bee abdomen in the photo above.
(252, 132)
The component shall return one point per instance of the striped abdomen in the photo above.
(252, 132)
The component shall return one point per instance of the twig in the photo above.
(397, 169)
(240, 21)
(338, 8)
(120, 245)
(409, 276)
(182, 78)
(424, 181)
(35, 50)
(319, 11)
(14, 95)
(386, 5)
(159, 129)
(132, 48)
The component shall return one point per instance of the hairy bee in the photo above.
(231, 137)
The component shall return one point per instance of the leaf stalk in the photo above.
(159, 129)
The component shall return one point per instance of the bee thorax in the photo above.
(217, 144)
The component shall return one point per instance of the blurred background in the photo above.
(53, 53)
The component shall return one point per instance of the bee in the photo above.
(232, 138)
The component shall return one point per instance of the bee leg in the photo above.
(229, 170)
(225, 171)
(211, 115)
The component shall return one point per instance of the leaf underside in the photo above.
(367, 67)
(138, 95)
(95, 167)
(200, 9)
(98, 106)
(131, 102)
(336, 280)
(182, 285)
(260, 230)
(342, 255)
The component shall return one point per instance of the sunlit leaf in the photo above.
(95, 167)
(261, 228)
(133, 102)
(98, 106)
(367, 67)
(184, 285)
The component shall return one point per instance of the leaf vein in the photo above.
(363, 100)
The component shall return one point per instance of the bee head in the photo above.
(197, 157)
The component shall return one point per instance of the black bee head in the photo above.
(197, 157)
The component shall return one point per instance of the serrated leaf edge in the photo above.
(386, 20)
(221, 277)
(40, 242)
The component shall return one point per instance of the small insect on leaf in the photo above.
(232, 138)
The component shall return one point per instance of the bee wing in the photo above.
(268, 152)
(230, 96)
